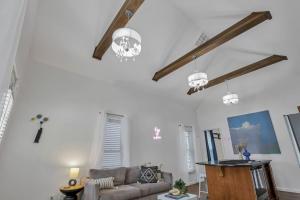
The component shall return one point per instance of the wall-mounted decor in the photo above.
(157, 135)
(41, 121)
(254, 130)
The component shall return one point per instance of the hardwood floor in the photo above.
(288, 195)
(282, 195)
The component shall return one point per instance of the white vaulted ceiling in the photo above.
(67, 31)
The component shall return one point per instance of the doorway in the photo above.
(214, 148)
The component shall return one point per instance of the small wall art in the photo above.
(41, 120)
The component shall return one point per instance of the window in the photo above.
(6, 105)
(190, 152)
(112, 141)
(210, 146)
(7, 102)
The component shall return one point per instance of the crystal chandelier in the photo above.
(197, 79)
(230, 98)
(126, 42)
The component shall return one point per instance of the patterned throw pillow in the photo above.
(148, 174)
(105, 183)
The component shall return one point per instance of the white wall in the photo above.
(257, 94)
(72, 103)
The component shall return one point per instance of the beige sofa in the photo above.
(126, 185)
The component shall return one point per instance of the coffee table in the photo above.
(189, 197)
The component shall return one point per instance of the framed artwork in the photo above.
(256, 131)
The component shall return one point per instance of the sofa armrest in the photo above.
(168, 178)
(90, 191)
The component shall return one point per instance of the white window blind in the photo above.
(112, 142)
(5, 108)
(190, 152)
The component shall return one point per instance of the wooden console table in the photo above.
(240, 180)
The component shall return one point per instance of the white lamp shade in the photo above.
(129, 36)
(230, 98)
(197, 79)
(126, 32)
(74, 173)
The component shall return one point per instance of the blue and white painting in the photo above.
(256, 131)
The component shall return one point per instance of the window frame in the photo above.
(190, 148)
(113, 117)
(7, 102)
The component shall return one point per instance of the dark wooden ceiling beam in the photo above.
(242, 71)
(240, 27)
(119, 21)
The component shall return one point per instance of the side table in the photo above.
(71, 191)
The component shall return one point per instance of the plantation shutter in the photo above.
(5, 106)
(190, 153)
(6, 103)
(112, 142)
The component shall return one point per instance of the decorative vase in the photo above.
(247, 154)
(240, 156)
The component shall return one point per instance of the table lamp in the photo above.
(74, 172)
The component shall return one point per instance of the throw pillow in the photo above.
(132, 175)
(118, 173)
(148, 174)
(105, 183)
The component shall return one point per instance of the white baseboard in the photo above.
(288, 190)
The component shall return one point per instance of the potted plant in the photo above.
(179, 188)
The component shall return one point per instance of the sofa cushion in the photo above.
(122, 192)
(152, 188)
(148, 174)
(118, 174)
(132, 175)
